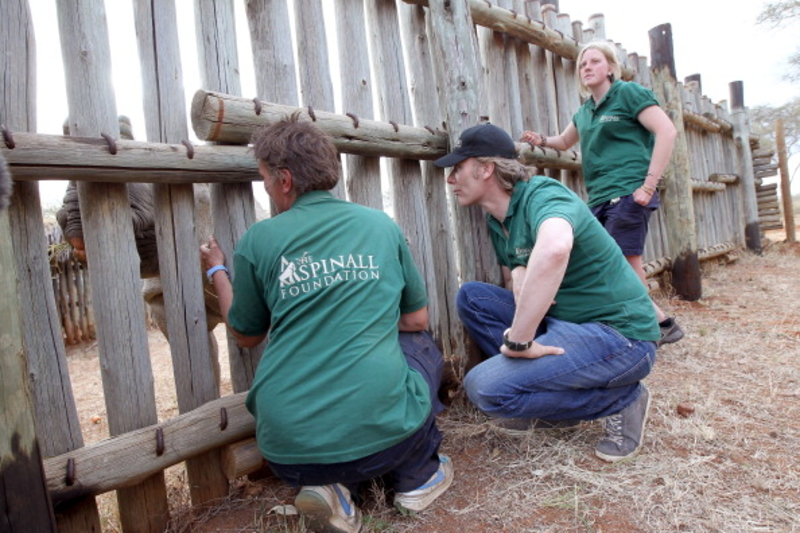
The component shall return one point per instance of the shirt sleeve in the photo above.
(414, 296)
(249, 314)
(636, 98)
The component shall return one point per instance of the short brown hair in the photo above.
(302, 149)
(508, 172)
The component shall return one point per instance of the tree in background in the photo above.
(777, 14)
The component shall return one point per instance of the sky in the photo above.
(710, 38)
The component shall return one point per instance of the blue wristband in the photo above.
(212, 270)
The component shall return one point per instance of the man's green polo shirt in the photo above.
(599, 285)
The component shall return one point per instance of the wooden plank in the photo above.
(363, 183)
(233, 205)
(122, 337)
(786, 190)
(141, 453)
(408, 190)
(54, 412)
(230, 119)
(741, 135)
(677, 198)
(194, 357)
(316, 86)
(24, 503)
(445, 325)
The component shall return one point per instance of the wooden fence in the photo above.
(432, 70)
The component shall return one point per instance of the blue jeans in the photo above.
(598, 375)
(408, 464)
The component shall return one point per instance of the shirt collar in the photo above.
(611, 90)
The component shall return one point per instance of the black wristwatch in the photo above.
(516, 346)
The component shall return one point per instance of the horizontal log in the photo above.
(770, 219)
(765, 167)
(548, 157)
(701, 122)
(715, 251)
(776, 225)
(724, 178)
(657, 266)
(706, 186)
(56, 157)
(127, 459)
(767, 187)
(242, 458)
(766, 173)
(232, 119)
(502, 20)
(763, 155)
(724, 125)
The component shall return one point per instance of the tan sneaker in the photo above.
(328, 509)
(421, 497)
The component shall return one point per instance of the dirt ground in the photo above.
(722, 450)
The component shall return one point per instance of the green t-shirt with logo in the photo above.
(615, 147)
(329, 279)
(599, 285)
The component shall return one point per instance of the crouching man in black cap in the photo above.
(573, 333)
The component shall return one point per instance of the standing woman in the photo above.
(626, 142)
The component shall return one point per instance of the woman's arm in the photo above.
(565, 141)
(659, 124)
(211, 255)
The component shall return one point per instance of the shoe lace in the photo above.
(613, 427)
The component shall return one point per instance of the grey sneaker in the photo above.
(328, 509)
(420, 498)
(670, 332)
(523, 425)
(625, 430)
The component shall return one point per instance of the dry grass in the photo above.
(732, 465)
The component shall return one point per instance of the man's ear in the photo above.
(287, 181)
(487, 170)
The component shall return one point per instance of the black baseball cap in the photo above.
(483, 140)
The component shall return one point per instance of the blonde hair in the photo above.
(508, 172)
(609, 53)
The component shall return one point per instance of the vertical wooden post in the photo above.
(454, 50)
(405, 174)
(316, 86)
(122, 337)
(677, 194)
(273, 52)
(233, 204)
(786, 189)
(363, 183)
(54, 411)
(445, 326)
(195, 366)
(24, 502)
(741, 136)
